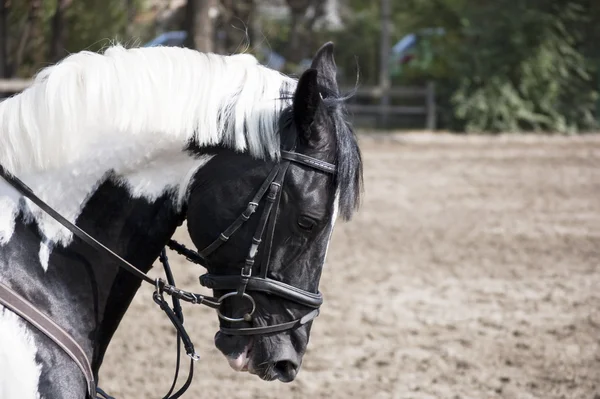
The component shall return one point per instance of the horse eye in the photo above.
(306, 223)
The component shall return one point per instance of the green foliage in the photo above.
(533, 79)
(513, 66)
(94, 24)
(89, 25)
(25, 36)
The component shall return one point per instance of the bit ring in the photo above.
(246, 317)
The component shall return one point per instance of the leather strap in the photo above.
(272, 329)
(266, 253)
(22, 307)
(266, 285)
(160, 284)
(309, 161)
(190, 254)
(26, 192)
(266, 228)
(257, 238)
(243, 218)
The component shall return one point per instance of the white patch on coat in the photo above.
(8, 213)
(68, 192)
(19, 372)
(45, 250)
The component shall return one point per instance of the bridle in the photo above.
(270, 191)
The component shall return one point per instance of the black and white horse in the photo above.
(129, 143)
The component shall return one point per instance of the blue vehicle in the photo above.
(414, 47)
(173, 39)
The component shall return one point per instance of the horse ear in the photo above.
(307, 100)
(324, 63)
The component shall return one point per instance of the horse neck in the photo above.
(138, 234)
(82, 290)
(85, 291)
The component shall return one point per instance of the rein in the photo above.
(271, 191)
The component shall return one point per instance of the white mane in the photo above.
(131, 112)
(159, 93)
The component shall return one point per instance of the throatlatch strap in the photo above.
(189, 254)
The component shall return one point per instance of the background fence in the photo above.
(379, 102)
(9, 87)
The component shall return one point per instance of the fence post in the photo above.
(598, 101)
(384, 67)
(431, 106)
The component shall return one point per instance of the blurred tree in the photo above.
(94, 24)
(200, 24)
(130, 8)
(291, 28)
(236, 25)
(358, 42)
(302, 24)
(59, 31)
(3, 39)
(39, 32)
(28, 28)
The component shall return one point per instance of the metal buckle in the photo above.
(158, 292)
(246, 272)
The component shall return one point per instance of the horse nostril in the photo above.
(286, 370)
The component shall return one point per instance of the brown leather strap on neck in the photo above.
(22, 307)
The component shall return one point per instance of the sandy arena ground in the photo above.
(472, 271)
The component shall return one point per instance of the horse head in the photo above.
(292, 239)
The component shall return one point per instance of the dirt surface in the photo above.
(472, 271)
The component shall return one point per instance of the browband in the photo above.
(309, 161)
